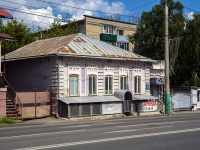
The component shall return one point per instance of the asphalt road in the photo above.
(179, 132)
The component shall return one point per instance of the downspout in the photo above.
(58, 80)
(58, 74)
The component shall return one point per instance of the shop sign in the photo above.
(150, 106)
(111, 108)
(147, 86)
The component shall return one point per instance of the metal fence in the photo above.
(181, 101)
(79, 110)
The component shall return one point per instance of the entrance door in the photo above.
(127, 106)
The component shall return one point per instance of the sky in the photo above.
(42, 13)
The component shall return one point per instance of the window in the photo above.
(123, 45)
(120, 32)
(92, 85)
(123, 83)
(137, 84)
(73, 85)
(109, 29)
(108, 85)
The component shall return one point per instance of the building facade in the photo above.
(78, 69)
(110, 31)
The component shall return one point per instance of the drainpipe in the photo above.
(58, 80)
(58, 74)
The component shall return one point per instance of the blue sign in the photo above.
(147, 86)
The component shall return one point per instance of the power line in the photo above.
(141, 6)
(33, 13)
(31, 6)
(56, 11)
(38, 14)
(191, 9)
(79, 8)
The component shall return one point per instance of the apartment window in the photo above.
(73, 85)
(120, 32)
(108, 85)
(137, 86)
(109, 29)
(123, 83)
(92, 85)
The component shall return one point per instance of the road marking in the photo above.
(134, 125)
(75, 126)
(18, 136)
(136, 129)
(114, 122)
(109, 139)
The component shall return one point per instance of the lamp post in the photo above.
(167, 81)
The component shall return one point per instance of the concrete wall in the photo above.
(2, 102)
(30, 74)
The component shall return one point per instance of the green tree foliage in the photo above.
(17, 30)
(187, 67)
(149, 37)
(56, 29)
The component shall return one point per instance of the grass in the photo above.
(6, 120)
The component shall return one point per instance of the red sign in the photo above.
(150, 106)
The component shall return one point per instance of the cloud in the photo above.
(190, 15)
(90, 7)
(37, 13)
(42, 17)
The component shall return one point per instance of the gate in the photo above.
(180, 101)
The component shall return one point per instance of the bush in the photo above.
(6, 120)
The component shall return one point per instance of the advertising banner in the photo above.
(150, 106)
(111, 108)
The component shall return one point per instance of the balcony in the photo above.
(123, 39)
(108, 37)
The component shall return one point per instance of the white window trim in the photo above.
(137, 86)
(73, 75)
(108, 84)
(125, 87)
(92, 83)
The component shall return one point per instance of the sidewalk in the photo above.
(51, 120)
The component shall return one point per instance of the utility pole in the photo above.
(167, 83)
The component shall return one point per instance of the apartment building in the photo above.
(110, 31)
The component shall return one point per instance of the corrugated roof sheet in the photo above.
(89, 99)
(76, 45)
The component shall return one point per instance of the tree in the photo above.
(187, 67)
(17, 30)
(149, 37)
(56, 29)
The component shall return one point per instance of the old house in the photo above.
(85, 76)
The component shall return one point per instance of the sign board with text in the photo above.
(150, 106)
(111, 108)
